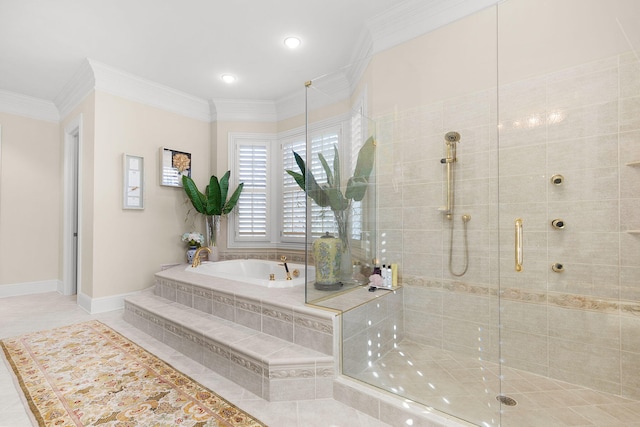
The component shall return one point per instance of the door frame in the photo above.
(72, 183)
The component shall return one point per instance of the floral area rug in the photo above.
(89, 375)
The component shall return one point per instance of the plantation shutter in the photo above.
(294, 217)
(253, 209)
(357, 142)
(322, 219)
(293, 198)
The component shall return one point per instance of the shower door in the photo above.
(507, 189)
(569, 132)
(435, 340)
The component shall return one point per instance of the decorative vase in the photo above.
(213, 230)
(191, 253)
(327, 254)
(346, 266)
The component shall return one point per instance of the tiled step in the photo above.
(281, 313)
(271, 367)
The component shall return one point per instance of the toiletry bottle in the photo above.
(383, 273)
(394, 275)
(376, 268)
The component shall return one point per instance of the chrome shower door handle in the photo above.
(519, 255)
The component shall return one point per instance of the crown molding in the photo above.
(243, 110)
(291, 105)
(323, 90)
(360, 58)
(413, 18)
(76, 90)
(134, 88)
(27, 106)
(403, 22)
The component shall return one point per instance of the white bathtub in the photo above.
(254, 272)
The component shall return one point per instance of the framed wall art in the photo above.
(174, 164)
(133, 189)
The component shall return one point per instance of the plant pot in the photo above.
(212, 232)
(191, 253)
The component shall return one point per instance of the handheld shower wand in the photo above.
(451, 140)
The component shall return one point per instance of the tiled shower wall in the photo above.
(582, 325)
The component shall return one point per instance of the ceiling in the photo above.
(185, 45)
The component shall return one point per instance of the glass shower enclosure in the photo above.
(506, 188)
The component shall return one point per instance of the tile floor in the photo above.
(468, 388)
(23, 314)
(460, 384)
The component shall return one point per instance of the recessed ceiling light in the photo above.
(228, 78)
(292, 42)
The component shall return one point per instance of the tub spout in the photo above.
(196, 256)
(286, 268)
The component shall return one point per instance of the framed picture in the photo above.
(133, 189)
(174, 164)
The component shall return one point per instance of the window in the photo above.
(293, 198)
(357, 134)
(293, 202)
(251, 162)
(261, 161)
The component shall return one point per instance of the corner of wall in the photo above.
(104, 304)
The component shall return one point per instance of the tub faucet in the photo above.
(196, 256)
(286, 268)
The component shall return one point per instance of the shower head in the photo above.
(451, 137)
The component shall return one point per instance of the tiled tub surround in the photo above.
(264, 339)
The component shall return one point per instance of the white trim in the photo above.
(132, 87)
(76, 90)
(328, 89)
(75, 126)
(238, 110)
(360, 59)
(28, 288)
(291, 105)
(27, 106)
(337, 120)
(270, 141)
(103, 304)
(413, 18)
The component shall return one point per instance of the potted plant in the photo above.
(213, 204)
(331, 194)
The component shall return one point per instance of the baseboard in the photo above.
(103, 304)
(27, 288)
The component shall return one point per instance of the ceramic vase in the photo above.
(327, 254)
(191, 253)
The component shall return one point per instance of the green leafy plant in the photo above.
(214, 199)
(330, 194)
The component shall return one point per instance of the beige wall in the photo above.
(30, 194)
(130, 245)
(457, 59)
